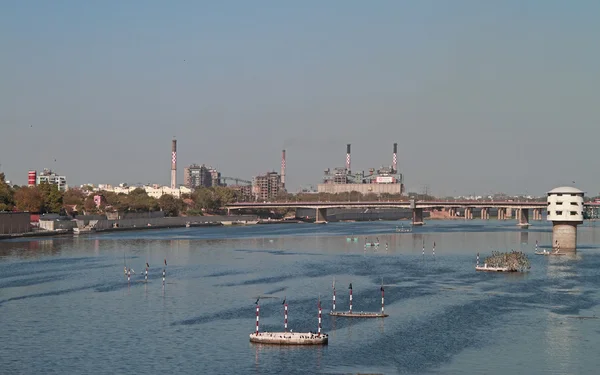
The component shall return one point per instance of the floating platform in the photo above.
(486, 268)
(360, 314)
(545, 252)
(289, 338)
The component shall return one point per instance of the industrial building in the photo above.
(196, 176)
(385, 180)
(49, 177)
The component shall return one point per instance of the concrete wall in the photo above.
(57, 224)
(361, 188)
(15, 222)
(167, 221)
(359, 214)
(134, 215)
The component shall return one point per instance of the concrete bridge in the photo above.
(505, 208)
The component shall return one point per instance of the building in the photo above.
(196, 176)
(154, 191)
(244, 192)
(385, 180)
(565, 211)
(49, 177)
(266, 187)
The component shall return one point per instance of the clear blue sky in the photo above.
(481, 96)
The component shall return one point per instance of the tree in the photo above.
(74, 197)
(6, 195)
(52, 197)
(29, 199)
(170, 205)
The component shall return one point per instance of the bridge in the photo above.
(504, 208)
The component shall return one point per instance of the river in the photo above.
(66, 307)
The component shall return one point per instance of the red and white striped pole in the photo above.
(319, 330)
(257, 310)
(477, 259)
(285, 317)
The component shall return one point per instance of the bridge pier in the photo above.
(320, 215)
(468, 213)
(537, 214)
(485, 213)
(501, 213)
(523, 217)
(417, 216)
(508, 213)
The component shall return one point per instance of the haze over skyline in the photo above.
(481, 97)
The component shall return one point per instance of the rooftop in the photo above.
(566, 190)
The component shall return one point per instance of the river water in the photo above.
(66, 307)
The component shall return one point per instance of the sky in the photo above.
(481, 96)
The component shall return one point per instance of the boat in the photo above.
(357, 314)
(288, 338)
(83, 230)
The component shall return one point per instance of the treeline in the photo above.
(46, 198)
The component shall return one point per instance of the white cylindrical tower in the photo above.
(565, 211)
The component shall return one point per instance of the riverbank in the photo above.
(119, 225)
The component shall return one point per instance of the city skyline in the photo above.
(480, 97)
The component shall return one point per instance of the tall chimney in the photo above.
(283, 169)
(174, 164)
(348, 158)
(395, 159)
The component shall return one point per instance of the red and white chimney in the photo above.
(174, 164)
(395, 159)
(283, 169)
(348, 158)
(32, 178)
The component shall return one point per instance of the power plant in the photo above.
(385, 180)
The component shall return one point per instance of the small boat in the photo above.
(83, 230)
(357, 314)
(188, 224)
(289, 338)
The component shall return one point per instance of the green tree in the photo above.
(52, 197)
(6, 195)
(139, 201)
(170, 205)
(29, 199)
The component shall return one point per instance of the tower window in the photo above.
(559, 212)
(573, 213)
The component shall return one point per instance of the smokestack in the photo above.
(395, 159)
(283, 169)
(174, 164)
(348, 158)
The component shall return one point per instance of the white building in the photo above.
(49, 177)
(565, 211)
(154, 191)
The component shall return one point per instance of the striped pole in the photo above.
(536, 245)
(434, 248)
(285, 318)
(382, 299)
(164, 274)
(257, 310)
(333, 296)
(319, 330)
(146, 275)
(350, 297)
(423, 249)
(128, 275)
(477, 259)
